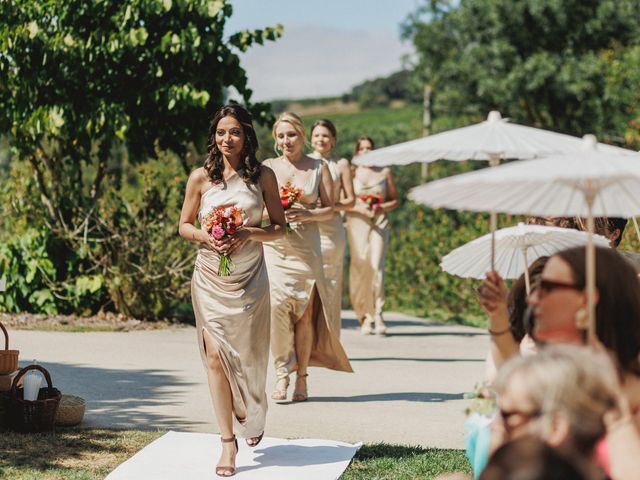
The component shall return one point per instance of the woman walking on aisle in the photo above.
(301, 335)
(368, 232)
(333, 238)
(230, 287)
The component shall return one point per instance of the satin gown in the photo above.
(368, 244)
(333, 243)
(235, 309)
(295, 270)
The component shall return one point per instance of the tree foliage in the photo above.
(549, 63)
(89, 89)
(382, 91)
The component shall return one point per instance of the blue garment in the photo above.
(477, 442)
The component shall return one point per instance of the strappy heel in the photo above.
(257, 440)
(366, 327)
(280, 392)
(380, 327)
(225, 471)
(302, 394)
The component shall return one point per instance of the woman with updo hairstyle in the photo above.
(333, 240)
(303, 327)
(232, 308)
(368, 233)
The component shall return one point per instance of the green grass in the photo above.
(88, 454)
(382, 461)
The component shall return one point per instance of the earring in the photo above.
(581, 318)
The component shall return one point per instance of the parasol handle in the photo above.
(494, 161)
(527, 280)
(494, 224)
(591, 271)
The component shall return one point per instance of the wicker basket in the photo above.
(35, 416)
(70, 411)
(8, 358)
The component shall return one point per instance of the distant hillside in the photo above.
(395, 91)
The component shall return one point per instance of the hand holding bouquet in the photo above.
(374, 202)
(289, 195)
(219, 223)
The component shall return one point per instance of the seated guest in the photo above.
(529, 458)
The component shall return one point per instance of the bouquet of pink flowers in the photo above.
(219, 223)
(288, 196)
(373, 202)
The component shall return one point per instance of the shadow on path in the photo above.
(122, 398)
(391, 333)
(353, 323)
(403, 359)
(298, 456)
(426, 397)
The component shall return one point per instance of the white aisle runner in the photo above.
(193, 456)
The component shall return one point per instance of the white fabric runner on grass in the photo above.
(193, 456)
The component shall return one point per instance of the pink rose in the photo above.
(217, 232)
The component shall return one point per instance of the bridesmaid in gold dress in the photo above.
(301, 335)
(232, 312)
(333, 239)
(368, 232)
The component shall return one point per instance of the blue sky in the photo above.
(328, 46)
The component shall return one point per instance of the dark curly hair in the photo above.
(213, 164)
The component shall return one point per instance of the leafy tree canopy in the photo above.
(551, 63)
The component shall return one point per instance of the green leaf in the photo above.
(40, 297)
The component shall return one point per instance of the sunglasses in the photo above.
(548, 286)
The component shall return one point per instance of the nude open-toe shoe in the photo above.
(223, 470)
(280, 392)
(300, 394)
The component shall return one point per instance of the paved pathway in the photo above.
(408, 387)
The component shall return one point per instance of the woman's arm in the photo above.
(349, 198)
(493, 299)
(392, 194)
(272, 203)
(187, 229)
(324, 211)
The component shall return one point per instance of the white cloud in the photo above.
(316, 61)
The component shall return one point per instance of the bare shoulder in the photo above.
(266, 172)
(344, 163)
(199, 175)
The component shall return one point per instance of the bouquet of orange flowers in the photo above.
(221, 222)
(373, 202)
(288, 196)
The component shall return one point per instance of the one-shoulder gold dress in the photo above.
(367, 245)
(333, 243)
(295, 270)
(235, 309)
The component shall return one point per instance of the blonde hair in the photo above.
(292, 119)
(575, 382)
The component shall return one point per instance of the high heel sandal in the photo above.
(280, 392)
(380, 327)
(225, 471)
(366, 328)
(302, 394)
(256, 440)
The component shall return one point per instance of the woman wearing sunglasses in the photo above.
(560, 317)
